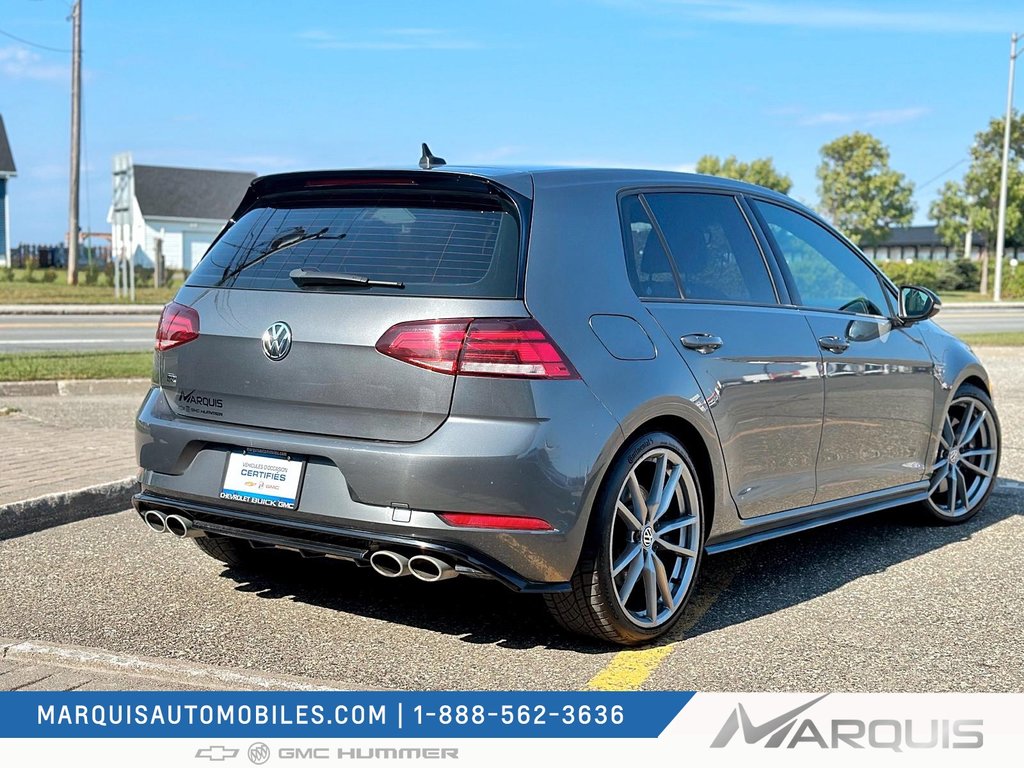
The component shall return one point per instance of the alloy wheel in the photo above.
(655, 537)
(965, 466)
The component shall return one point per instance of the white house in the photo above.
(7, 170)
(182, 209)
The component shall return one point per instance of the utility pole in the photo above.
(76, 138)
(997, 294)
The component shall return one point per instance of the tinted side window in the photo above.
(648, 266)
(827, 274)
(713, 247)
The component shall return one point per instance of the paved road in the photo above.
(981, 320)
(36, 333)
(24, 333)
(878, 603)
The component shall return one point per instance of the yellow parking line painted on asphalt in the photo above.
(629, 670)
(78, 325)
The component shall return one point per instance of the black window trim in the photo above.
(887, 286)
(781, 292)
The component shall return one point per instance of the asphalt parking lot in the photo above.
(881, 603)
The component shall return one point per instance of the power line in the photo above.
(34, 45)
(938, 176)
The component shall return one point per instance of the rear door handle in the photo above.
(833, 344)
(702, 342)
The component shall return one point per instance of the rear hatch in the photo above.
(281, 352)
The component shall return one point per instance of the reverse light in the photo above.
(505, 522)
(503, 347)
(178, 325)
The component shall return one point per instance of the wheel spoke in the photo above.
(632, 575)
(668, 493)
(657, 487)
(938, 477)
(628, 517)
(626, 558)
(675, 525)
(951, 496)
(973, 429)
(965, 422)
(663, 585)
(639, 503)
(651, 587)
(946, 436)
(961, 484)
(675, 548)
(977, 452)
(976, 469)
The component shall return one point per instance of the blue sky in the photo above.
(650, 83)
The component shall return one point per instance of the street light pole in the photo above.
(76, 139)
(997, 294)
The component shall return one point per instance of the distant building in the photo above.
(7, 170)
(924, 244)
(181, 209)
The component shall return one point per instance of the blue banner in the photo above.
(329, 714)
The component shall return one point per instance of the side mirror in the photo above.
(917, 304)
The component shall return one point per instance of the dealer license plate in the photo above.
(269, 481)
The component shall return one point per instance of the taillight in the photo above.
(506, 522)
(178, 325)
(511, 347)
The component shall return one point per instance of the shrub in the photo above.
(49, 275)
(30, 270)
(958, 275)
(9, 274)
(91, 275)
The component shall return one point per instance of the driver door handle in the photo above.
(702, 342)
(833, 344)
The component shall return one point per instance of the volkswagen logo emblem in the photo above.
(277, 341)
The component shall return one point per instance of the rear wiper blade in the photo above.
(279, 244)
(304, 277)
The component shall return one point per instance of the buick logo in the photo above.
(277, 341)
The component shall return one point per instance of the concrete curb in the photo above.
(170, 672)
(974, 306)
(54, 509)
(81, 309)
(74, 387)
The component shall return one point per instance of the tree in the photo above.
(859, 192)
(761, 171)
(973, 203)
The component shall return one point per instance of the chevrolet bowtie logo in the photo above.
(216, 753)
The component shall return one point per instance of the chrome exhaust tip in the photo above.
(157, 521)
(182, 528)
(431, 569)
(389, 564)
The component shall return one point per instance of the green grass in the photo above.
(998, 339)
(22, 291)
(46, 366)
(952, 297)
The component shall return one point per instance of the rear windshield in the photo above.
(458, 249)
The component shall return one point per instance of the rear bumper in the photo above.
(312, 539)
(368, 495)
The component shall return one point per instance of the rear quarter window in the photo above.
(455, 249)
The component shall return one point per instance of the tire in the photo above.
(237, 553)
(971, 437)
(624, 559)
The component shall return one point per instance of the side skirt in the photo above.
(780, 524)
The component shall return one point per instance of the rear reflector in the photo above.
(510, 347)
(505, 522)
(178, 325)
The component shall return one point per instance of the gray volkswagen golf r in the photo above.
(576, 382)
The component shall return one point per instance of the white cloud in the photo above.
(868, 119)
(22, 64)
(832, 16)
(403, 39)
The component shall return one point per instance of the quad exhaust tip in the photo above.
(156, 520)
(389, 564)
(431, 569)
(182, 527)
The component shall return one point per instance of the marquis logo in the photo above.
(789, 730)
